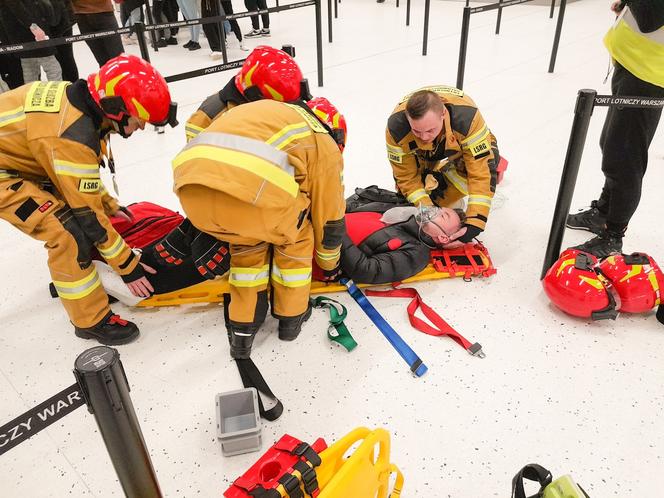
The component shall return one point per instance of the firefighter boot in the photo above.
(241, 338)
(591, 219)
(602, 246)
(111, 331)
(290, 327)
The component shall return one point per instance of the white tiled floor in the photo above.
(578, 397)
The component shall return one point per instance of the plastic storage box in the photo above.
(238, 421)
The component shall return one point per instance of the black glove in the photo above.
(332, 275)
(471, 232)
(172, 249)
(211, 256)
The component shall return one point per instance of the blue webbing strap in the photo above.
(414, 362)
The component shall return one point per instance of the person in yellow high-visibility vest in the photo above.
(636, 44)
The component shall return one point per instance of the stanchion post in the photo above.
(583, 111)
(499, 18)
(153, 35)
(336, 8)
(407, 12)
(329, 21)
(556, 39)
(104, 384)
(142, 44)
(553, 7)
(397, 4)
(319, 41)
(463, 47)
(425, 40)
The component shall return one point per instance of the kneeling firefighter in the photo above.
(267, 177)
(51, 143)
(268, 73)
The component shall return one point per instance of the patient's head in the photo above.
(440, 223)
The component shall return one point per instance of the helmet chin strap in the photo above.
(119, 126)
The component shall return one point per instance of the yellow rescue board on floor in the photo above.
(444, 264)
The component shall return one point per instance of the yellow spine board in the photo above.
(212, 291)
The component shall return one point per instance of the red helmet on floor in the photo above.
(331, 116)
(127, 86)
(574, 287)
(636, 278)
(269, 73)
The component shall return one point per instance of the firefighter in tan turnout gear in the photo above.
(442, 151)
(51, 136)
(267, 177)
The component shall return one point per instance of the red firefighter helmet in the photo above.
(127, 86)
(574, 287)
(330, 115)
(269, 73)
(636, 278)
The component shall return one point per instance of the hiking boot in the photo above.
(253, 33)
(591, 219)
(289, 328)
(241, 338)
(111, 331)
(602, 246)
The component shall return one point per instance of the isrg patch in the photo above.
(395, 154)
(45, 96)
(89, 186)
(480, 149)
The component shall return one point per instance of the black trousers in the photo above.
(11, 70)
(625, 140)
(212, 30)
(256, 5)
(65, 56)
(227, 5)
(165, 11)
(103, 49)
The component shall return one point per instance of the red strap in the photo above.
(441, 326)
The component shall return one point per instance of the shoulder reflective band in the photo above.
(414, 362)
(78, 170)
(40, 417)
(311, 120)
(441, 326)
(11, 116)
(338, 313)
(287, 134)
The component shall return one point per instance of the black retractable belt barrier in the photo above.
(178, 24)
(582, 112)
(585, 102)
(106, 391)
(40, 417)
(142, 44)
(556, 38)
(102, 385)
(500, 5)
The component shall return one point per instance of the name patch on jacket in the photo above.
(45, 96)
(481, 149)
(395, 154)
(89, 185)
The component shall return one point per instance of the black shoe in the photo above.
(111, 331)
(241, 338)
(194, 46)
(289, 328)
(591, 220)
(253, 33)
(380, 1)
(161, 43)
(172, 41)
(188, 44)
(602, 246)
(265, 32)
